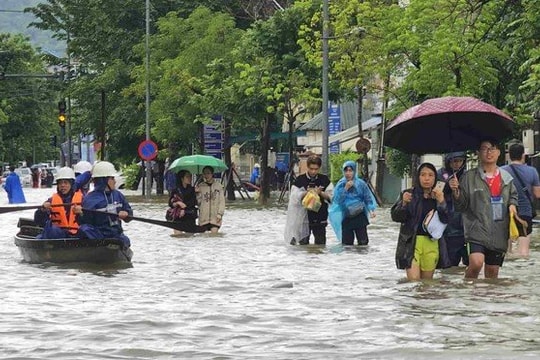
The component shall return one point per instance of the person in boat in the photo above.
(59, 214)
(83, 176)
(13, 187)
(487, 197)
(183, 204)
(352, 203)
(105, 198)
(454, 239)
(211, 200)
(417, 250)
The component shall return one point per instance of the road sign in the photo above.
(334, 125)
(148, 150)
(213, 137)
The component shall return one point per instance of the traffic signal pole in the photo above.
(62, 119)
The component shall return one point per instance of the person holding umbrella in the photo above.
(487, 197)
(454, 165)
(183, 204)
(211, 200)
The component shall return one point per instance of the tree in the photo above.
(26, 104)
(274, 78)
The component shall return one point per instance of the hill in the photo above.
(14, 20)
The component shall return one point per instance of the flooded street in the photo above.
(246, 294)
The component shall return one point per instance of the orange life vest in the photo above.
(58, 214)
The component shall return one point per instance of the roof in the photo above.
(351, 132)
(349, 116)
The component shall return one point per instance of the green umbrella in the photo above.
(195, 164)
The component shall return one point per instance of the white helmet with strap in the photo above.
(65, 173)
(103, 169)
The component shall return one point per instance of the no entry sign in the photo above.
(148, 150)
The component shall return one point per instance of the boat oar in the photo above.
(170, 225)
(8, 209)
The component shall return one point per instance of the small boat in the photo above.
(69, 250)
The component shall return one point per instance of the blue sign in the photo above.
(213, 137)
(148, 150)
(334, 125)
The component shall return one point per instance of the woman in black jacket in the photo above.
(183, 204)
(417, 251)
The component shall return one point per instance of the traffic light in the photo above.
(62, 113)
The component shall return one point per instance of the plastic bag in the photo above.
(312, 201)
(297, 224)
(514, 233)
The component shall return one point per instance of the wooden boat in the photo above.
(70, 250)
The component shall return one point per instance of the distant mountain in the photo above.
(14, 20)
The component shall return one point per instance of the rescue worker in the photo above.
(83, 176)
(59, 214)
(104, 198)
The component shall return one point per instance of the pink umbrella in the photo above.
(447, 124)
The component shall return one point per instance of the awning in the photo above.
(350, 133)
(273, 136)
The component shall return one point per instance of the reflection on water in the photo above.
(247, 294)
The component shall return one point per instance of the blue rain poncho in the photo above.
(359, 196)
(14, 189)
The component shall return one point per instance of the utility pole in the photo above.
(69, 118)
(147, 112)
(326, 21)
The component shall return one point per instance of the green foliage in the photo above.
(26, 104)
(131, 173)
(337, 161)
(203, 62)
(398, 163)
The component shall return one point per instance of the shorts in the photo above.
(491, 257)
(521, 229)
(426, 253)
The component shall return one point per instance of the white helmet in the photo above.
(65, 173)
(103, 169)
(82, 167)
(256, 165)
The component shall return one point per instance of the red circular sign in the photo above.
(148, 150)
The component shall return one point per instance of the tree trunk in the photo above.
(264, 193)
(228, 159)
(159, 177)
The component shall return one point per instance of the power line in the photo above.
(11, 11)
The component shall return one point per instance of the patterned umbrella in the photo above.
(447, 124)
(196, 163)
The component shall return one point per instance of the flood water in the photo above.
(246, 294)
